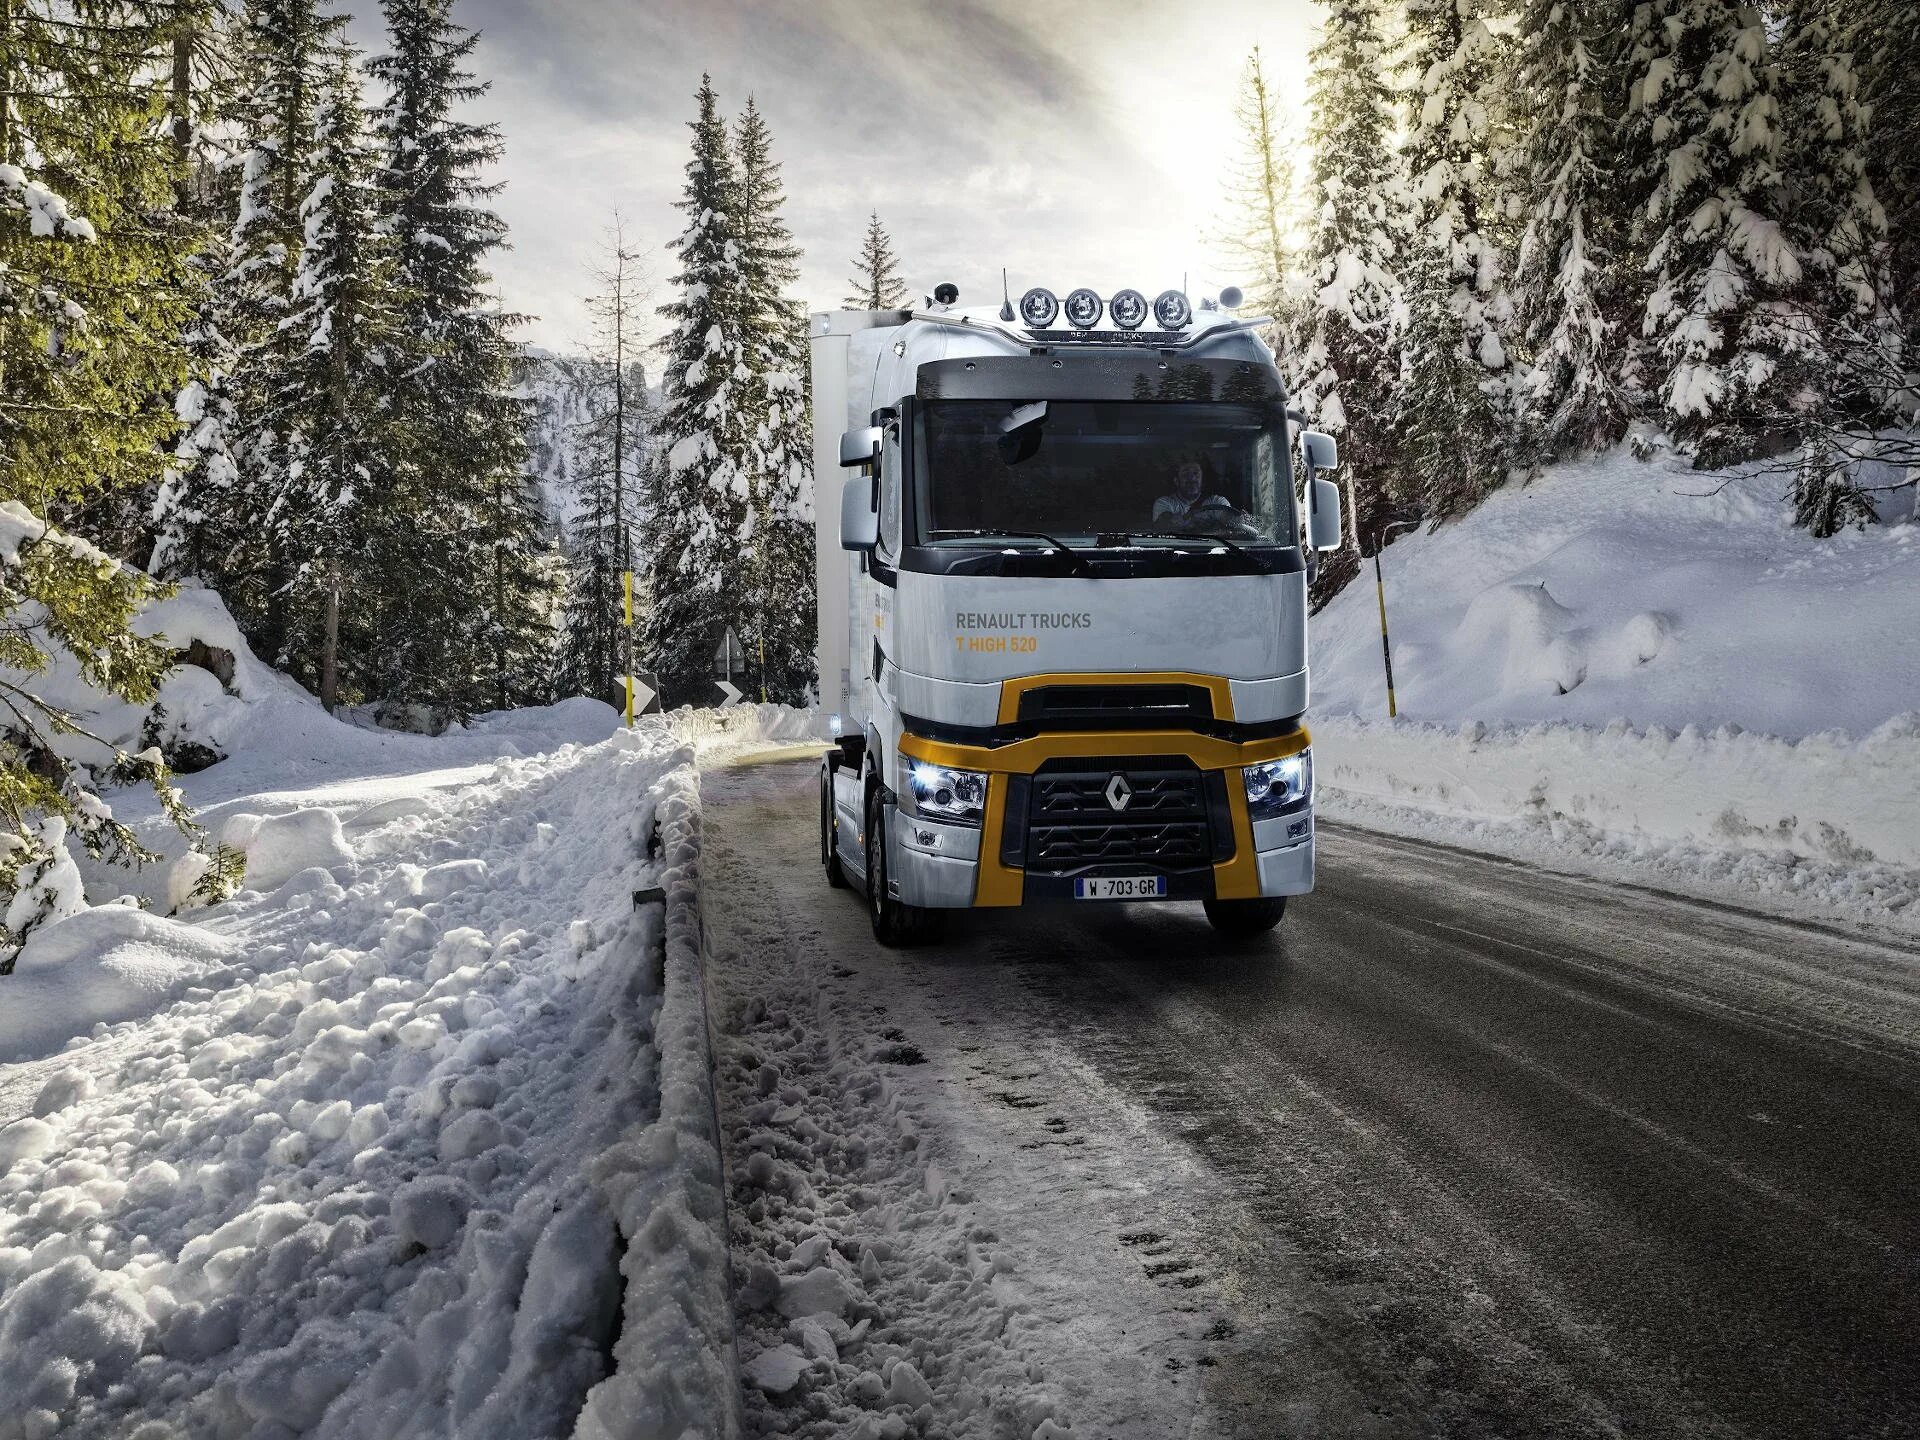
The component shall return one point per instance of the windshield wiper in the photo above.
(1080, 566)
(1255, 567)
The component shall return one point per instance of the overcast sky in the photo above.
(1072, 141)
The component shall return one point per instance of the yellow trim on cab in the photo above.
(1023, 757)
(1218, 686)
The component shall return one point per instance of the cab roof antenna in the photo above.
(1006, 296)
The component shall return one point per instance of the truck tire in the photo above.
(1243, 919)
(829, 832)
(895, 925)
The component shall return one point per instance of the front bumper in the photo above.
(1221, 853)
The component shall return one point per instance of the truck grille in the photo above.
(1167, 818)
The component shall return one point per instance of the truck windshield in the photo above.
(1102, 472)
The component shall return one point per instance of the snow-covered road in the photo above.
(1468, 1149)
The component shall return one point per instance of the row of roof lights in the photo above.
(1127, 309)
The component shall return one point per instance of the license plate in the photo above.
(1120, 887)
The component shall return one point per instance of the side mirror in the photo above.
(859, 519)
(860, 447)
(1323, 520)
(1321, 451)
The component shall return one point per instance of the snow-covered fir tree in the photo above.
(470, 526)
(701, 524)
(1454, 67)
(1571, 271)
(1718, 321)
(607, 463)
(94, 300)
(1847, 347)
(202, 472)
(1344, 363)
(876, 282)
(320, 462)
(1878, 35)
(239, 540)
(782, 634)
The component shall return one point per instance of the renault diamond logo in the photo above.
(1119, 792)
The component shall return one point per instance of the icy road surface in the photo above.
(1465, 1149)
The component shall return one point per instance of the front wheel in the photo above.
(1243, 919)
(830, 832)
(894, 924)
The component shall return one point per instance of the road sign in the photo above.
(729, 692)
(729, 659)
(646, 695)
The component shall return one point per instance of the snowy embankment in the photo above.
(1611, 672)
(412, 1137)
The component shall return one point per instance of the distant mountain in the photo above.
(566, 392)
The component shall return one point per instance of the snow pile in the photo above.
(204, 703)
(1605, 668)
(742, 729)
(1612, 590)
(107, 964)
(379, 1166)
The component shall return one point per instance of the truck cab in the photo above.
(1063, 609)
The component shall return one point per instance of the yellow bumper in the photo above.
(1000, 885)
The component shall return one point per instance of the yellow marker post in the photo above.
(626, 588)
(1386, 646)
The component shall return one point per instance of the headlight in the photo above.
(1038, 307)
(1128, 309)
(944, 794)
(1083, 309)
(1279, 785)
(1172, 310)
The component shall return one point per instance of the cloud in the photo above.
(985, 132)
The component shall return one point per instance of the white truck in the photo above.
(1063, 608)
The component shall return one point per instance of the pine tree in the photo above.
(784, 623)
(1718, 320)
(1344, 363)
(1571, 269)
(1878, 35)
(701, 521)
(609, 457)
(1262, 234)
(1449, 160)
(92, 285)
(90, 342)
(876, 282)
(459, 486)
(243, 539)
(1847, 342)
(1448, 417)
(325, 441)
(202, 471)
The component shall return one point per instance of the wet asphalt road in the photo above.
(1474, 1148)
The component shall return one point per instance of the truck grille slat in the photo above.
(1166, 819)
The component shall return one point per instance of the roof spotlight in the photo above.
(1128, 308)
(1038, 307)
(1083, 309)
(1172, 310)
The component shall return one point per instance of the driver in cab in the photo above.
(1186, 502)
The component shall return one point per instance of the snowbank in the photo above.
(1613, 590)
(1824, 798)
(1607, 668)
(674, 1376)
(379, 1161)
(100, 966)
(740, 729)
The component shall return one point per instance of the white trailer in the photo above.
(1063, 608)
